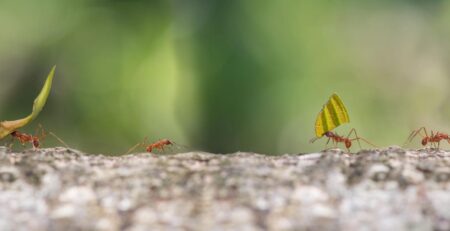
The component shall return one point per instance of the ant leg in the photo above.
(59, 139)
(365, 141)
(432, 143)
(43, 133)
(334, 142)
(424, 131)
(40, 137)
(314, 139)
(438, 141)
(132, 148)
(415, 133)
(11, 143)
(326, 144)
(23, 143)
(137, 145)
(410, 137)
(145, 142)
(39, 127)
(179, 147)
(356, 136)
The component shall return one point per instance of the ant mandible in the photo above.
(335, 138)
(434, 139)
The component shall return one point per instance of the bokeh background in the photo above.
(223, 76)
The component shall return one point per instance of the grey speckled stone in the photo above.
(388, 189)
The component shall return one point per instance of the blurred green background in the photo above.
(223, 76)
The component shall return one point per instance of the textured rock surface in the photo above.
(389, 189)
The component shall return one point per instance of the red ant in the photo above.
(26, 138)
(34, 139)
(433, 139)
(160, 144)
(335, 138)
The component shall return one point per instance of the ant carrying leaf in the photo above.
(24, 138)
(333, 114)
(35, 139)
(10, 127)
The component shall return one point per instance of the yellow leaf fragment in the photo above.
(331, 116)
(6, 127)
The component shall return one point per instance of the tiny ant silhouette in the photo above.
(434, 139)
(335, 138)
(159, 145)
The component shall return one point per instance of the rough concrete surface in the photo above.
(63, 189)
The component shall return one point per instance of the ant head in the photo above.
(328, 134)
(425, 141)
(36, 143)
(348, 143)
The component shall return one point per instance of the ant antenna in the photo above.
(44, 134)
(179, 147)
(414, 133)
(132, 148)
(137, 145)
(59, 139)
(357, 138)
(314, 139)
